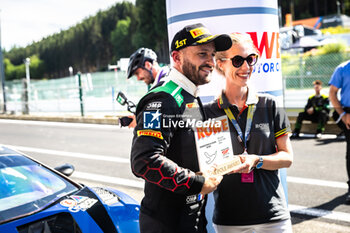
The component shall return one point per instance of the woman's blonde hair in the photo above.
(237, 38)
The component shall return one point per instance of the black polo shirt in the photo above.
(263, 200)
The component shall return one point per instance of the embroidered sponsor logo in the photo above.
(191, 105)
(194, 198)
(152, 133)
(179, 99)
(180, 43)
(262, 126)
(191, 199)
(151, 119)
(154, 106)
(199, 31)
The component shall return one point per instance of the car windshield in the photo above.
(26, 187)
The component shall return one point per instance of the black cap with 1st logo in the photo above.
(198, 34)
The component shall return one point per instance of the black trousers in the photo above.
(191, 220)
(149, 224)
(347, 138)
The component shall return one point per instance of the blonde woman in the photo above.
(251, 198)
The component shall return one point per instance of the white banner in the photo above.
(258, 18)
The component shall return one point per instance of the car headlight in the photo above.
(106, 196)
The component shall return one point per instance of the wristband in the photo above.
(340, 116)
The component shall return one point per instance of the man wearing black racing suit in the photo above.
(163, 150)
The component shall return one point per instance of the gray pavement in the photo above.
(319, 161)
(315, 161)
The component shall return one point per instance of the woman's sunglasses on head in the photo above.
(237, 61)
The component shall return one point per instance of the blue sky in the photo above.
(25, 21)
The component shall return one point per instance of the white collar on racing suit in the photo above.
(183, 81)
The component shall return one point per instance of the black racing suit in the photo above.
(164, 155)
(321, 110)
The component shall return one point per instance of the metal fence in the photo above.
(300, 71)
(61, 96)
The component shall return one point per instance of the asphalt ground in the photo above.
(316, 180)
(319, 160)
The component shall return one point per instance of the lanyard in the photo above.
(201, 108)
(251, 110)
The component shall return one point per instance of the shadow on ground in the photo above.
(327, 206)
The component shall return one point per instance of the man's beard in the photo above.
(190, 71)
(149, 77)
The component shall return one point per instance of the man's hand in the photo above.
(248, 163)
(211, 183)
(310, 111)
(133, 123)
(346, 120)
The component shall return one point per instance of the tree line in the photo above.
(103, 39)
(94, 43)
(303, 9)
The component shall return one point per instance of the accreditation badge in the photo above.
(214, 147)
(247, 177)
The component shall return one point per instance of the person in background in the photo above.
(340, 80)
(251, 198)
(165, 156)
(143, 64)
(316, 110)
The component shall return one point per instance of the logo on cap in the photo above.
(199, 31)
(180, 43)
(197, 34)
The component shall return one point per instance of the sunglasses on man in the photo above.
(237, 61)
